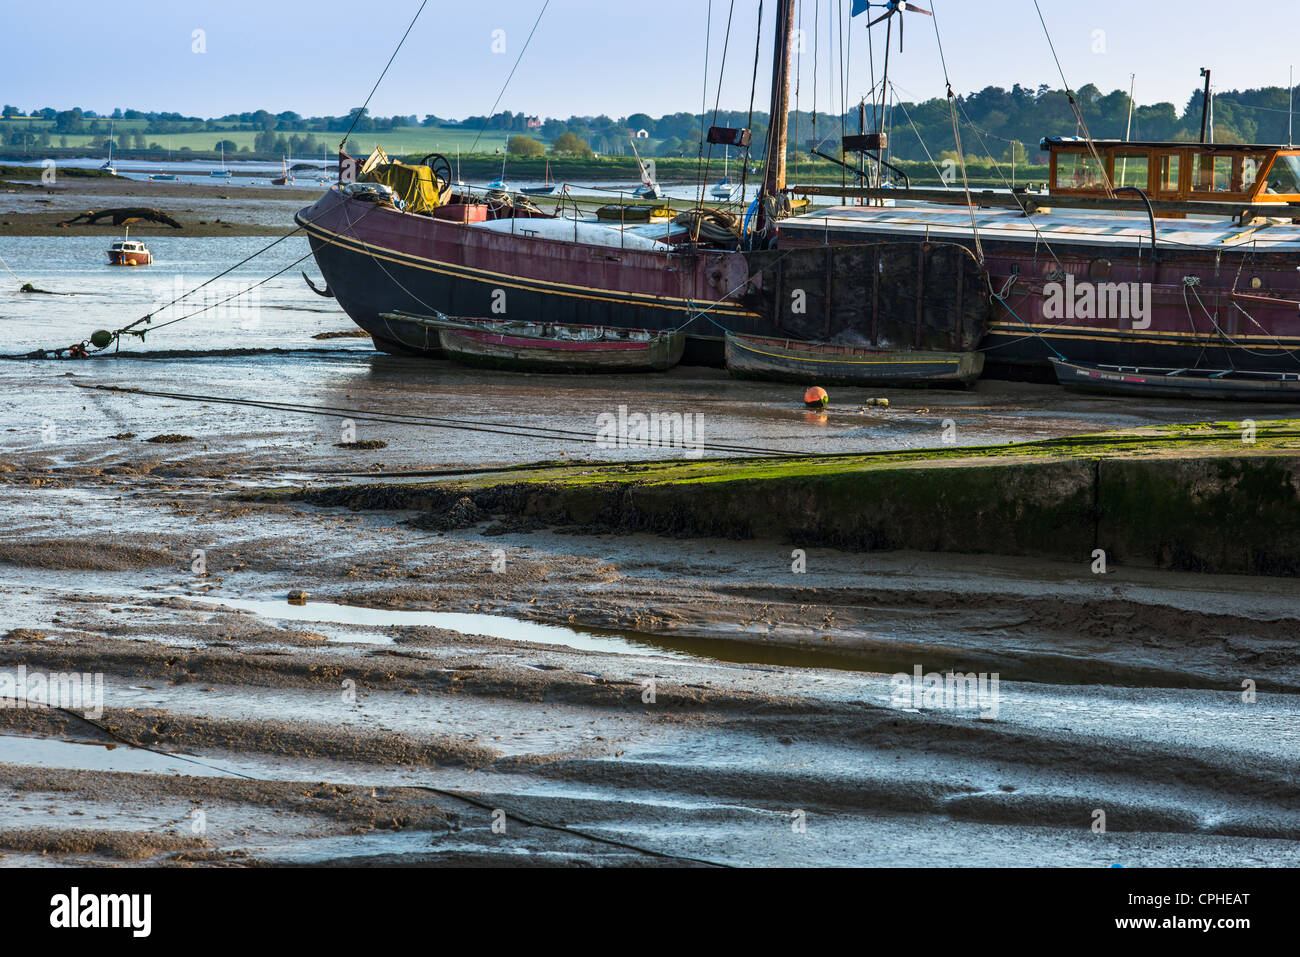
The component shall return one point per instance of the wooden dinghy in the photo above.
(819, 363)
(555, 347)
(1218, 384)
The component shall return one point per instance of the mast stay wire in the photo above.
(753, 87)
(956, 133)
(1074, 106)
(360, 112)
(704, 105)
(497, 102)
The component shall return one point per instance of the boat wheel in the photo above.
(441, 170)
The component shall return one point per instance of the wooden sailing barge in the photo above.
(468, 255)
(1204, 235)
(1208, 243)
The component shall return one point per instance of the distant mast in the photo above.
(770, 198)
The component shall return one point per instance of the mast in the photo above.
(1205, 101)
(1128, 130)
(778, 112)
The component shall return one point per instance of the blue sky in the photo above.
(597, 56)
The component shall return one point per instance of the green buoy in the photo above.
(100, 338)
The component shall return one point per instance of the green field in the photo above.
(410, 139)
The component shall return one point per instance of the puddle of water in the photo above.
(607, 641)
(84, 756)
(468, 623)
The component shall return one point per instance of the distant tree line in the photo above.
(995, 121)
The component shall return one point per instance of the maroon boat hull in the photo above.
(1206, 307)
(379, 260)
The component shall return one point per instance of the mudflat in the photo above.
(458, 686)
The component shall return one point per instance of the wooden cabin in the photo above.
(1175, 172)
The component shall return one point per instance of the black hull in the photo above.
(1031, 356)
(1169, 384)
(366, 286)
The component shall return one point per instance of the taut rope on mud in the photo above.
(426, 421)
(442, 792)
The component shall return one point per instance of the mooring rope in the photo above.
(147, 318)
(428, 421)
(443, 792)
(361, 112)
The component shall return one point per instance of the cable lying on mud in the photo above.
(442, 792)
(428, 421)
(565, 829)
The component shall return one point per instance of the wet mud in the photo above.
(617, 697)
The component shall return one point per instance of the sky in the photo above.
(317, 57)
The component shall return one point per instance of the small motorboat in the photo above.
(552, 347)
(1217, 384)
(824, 363)
(129, 252)
(162, 178)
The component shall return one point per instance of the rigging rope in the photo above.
(917, 133)
(361, 112)
(425, 421)
(704, 104)
(1074, 106)
(497, 102)
(956, 133)
(722, 70)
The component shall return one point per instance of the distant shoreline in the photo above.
(576, 169)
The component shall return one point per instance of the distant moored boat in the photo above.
(129, 252)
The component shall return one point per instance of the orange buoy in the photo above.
(816, 398)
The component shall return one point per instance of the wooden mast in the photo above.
(779, 116)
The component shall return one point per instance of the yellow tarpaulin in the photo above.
(414, 184)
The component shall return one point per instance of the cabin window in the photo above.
(1079, 171)
(1170, 167)
(1210, 173)
(1131, 169)
(1250, 167)
(1231, 173)
(1284, 177)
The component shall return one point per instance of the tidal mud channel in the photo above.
(469, 685)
